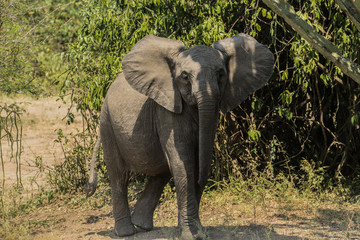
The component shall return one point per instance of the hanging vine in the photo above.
(10, 134)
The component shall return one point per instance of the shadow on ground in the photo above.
(325, 224)
(219, 232)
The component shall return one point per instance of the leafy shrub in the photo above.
(70, 175)
(308, 110)
(34, 35)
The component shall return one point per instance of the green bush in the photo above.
(308, 110)
(34, 35)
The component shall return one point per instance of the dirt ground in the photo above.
(223, 218)
(40, 122)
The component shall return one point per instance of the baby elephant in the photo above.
(159, 118)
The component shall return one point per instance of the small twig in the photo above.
(232, 26)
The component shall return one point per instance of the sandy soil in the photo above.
(39, 130)
(224, 218)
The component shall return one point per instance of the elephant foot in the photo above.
(188, 235)
(142, 222)
(195, 232)
(124, 228)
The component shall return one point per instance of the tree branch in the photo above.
(352, 10)
(317, 41)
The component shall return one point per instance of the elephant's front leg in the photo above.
(181, 156)
(188, 216)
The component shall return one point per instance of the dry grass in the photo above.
(225, 215)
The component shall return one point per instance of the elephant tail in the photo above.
(91, 184)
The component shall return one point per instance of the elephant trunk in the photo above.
(208, 116)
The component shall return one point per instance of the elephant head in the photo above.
(210, 78)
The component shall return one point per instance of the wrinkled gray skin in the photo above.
(160, 115)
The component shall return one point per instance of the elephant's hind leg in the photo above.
(145, 206)
(119, 178)
(121, 212)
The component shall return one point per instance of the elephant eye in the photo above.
(185, 76)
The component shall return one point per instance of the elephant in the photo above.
(159, 118)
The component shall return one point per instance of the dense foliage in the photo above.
(34, 36)
(304, 124)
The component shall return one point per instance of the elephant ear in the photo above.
(249, 66)
(148, 69)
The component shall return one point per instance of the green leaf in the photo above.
(264, 12)
(258, 27)
(254, 135)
